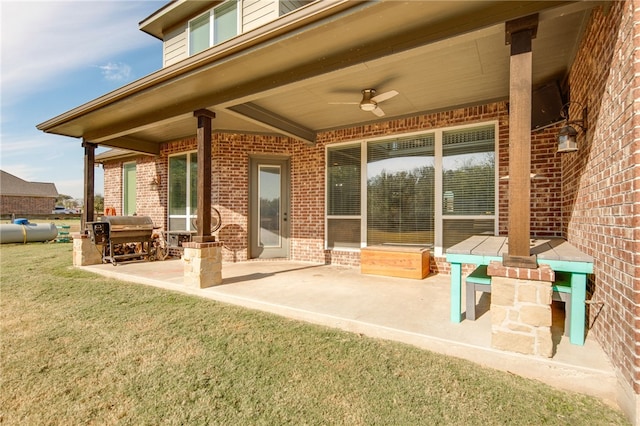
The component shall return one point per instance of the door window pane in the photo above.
(129, 189)
(269, 184)
(400, 191)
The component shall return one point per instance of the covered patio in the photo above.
(415, 312)
(295, 96)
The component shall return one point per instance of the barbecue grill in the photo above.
(123, 238)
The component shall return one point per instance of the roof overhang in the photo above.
(172, 14)
(286, 77)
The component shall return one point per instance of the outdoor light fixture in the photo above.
(155, 182)
(567, 136)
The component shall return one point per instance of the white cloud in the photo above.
(117, 72)
(73, 188)
(42, 41)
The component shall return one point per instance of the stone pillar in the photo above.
(84, 251)
(521, 309)
(202, 264)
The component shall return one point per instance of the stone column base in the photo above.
(202, 264)
(84, 251)
(521, 309)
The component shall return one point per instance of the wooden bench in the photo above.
(395, 261)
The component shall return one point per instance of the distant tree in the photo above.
(98, 203)
(63, 200)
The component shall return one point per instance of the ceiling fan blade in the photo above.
(384, 96)
(378, 111)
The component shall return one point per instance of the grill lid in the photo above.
(128, 222)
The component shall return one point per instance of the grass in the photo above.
(77, 348)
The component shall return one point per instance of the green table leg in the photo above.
(578, 296)
(456, 292)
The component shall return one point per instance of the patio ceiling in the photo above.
(295, 76)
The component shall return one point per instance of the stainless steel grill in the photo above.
(123, 238)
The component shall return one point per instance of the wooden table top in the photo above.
(545, 248)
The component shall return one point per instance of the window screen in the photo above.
(400, 191)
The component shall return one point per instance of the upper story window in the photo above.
(213, 27)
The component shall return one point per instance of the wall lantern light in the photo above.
(155, 182)
(567, 136)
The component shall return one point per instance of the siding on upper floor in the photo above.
(255, 13)
(258, 12)
(176, 46)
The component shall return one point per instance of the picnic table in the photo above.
(555, 252)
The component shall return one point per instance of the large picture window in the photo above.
(183, 194)
(432, 189)
(400, 196)
(213, 27)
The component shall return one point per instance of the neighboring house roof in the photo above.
(116, 154)
(12, 185)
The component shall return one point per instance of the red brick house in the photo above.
(20, 197)
(307, 164)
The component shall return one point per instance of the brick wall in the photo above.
(601, 190)
(151, 200)
(113, 186)
(546, 186)
(230, 180)
(10, 204)
(592, 197)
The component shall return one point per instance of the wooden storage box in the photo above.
(395, 261)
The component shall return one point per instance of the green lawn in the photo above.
(82, 349)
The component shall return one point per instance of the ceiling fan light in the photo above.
(368, 106)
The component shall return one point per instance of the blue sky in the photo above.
(57, 55)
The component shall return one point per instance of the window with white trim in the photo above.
(433, 189)
(183, 193)
(468, 183)
(129, 193)
(400, 183)
(213, 27)
(343, 196)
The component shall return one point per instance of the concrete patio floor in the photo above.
(405, 310)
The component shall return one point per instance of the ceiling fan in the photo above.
(370, 101)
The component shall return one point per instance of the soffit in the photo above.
(438, 55)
